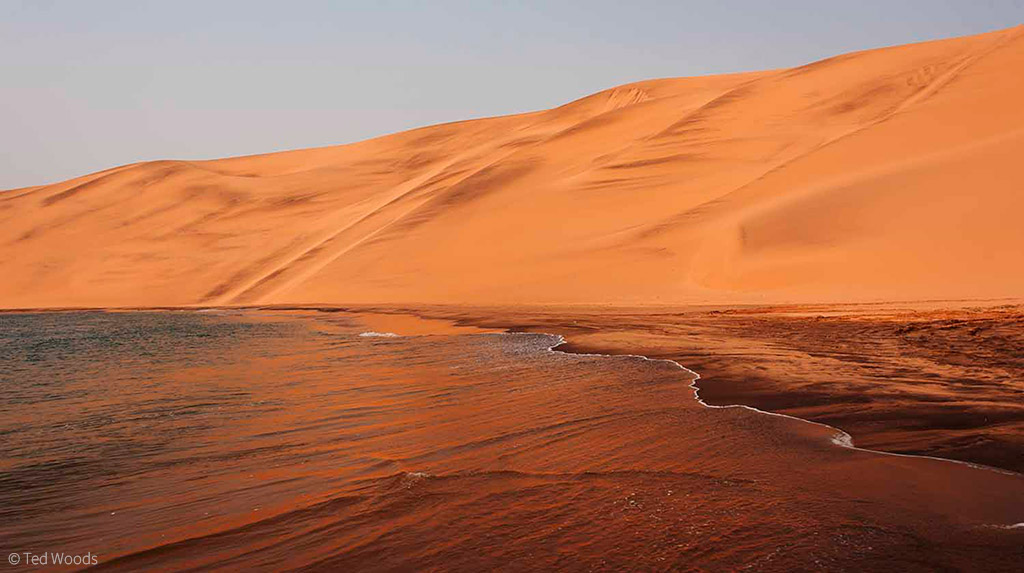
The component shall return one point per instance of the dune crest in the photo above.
(889, 174)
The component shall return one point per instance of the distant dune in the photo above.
(890, 174)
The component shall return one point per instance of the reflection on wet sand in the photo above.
(287, 440)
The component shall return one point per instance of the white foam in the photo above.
(372, 334)
(1011, 526)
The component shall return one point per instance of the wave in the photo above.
(372, 334)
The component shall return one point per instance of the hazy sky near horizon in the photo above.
(91, 85)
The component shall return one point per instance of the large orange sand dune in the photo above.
(891, 174)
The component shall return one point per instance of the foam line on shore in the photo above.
(839, 437)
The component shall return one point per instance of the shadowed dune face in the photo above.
(887, 174)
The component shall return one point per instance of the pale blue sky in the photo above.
(90, 85)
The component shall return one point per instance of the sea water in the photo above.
(275, 441)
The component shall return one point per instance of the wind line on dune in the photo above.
(316, 264)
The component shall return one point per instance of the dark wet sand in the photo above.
(920, 379)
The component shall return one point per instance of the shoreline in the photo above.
(885, 425)
(417, 307)
(839, 438)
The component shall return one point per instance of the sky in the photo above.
(85, 86)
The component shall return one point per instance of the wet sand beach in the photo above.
(941, 379)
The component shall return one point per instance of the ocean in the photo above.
(190, 440)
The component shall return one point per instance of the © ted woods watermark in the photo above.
(52, 558)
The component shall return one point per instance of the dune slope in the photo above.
(890, 174)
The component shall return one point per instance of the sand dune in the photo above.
(891, 174)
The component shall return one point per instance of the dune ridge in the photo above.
(888, 174)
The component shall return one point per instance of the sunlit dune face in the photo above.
(889, 174)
